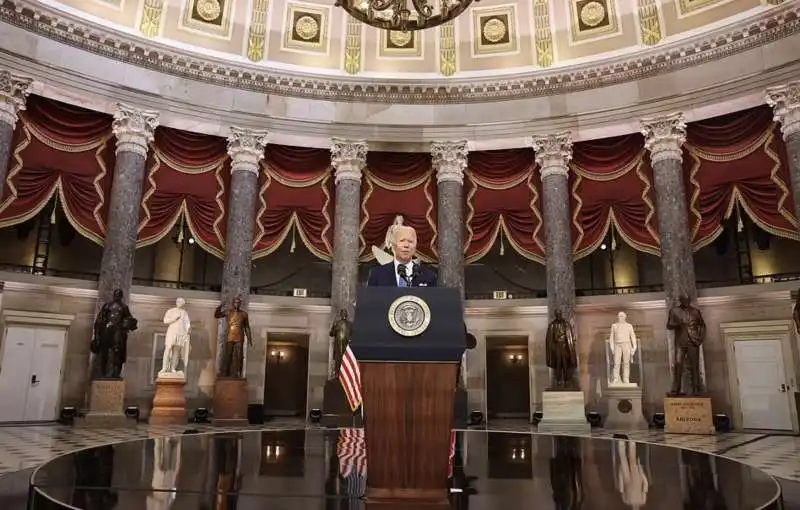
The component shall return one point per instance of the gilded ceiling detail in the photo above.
(491, 35)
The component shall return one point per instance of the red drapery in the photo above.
(612, 184)
(187, 173)
(296, 196)
(737, 158)
(502, 190)
(398, 183)
(64, 149)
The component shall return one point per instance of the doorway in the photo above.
(764, 389)
(507, 377)
(286, 378)
(30, 370)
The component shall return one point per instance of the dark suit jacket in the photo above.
(385, 276)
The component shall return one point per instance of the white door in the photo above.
(45, 376)
(30, 373)
(18, 347)
(763, 389)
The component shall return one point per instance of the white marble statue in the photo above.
(384, 254)
(622, 342)
(632, 481)
(166, 465)
(176, 343)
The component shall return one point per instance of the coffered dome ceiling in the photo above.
(492, 37)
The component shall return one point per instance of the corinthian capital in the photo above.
(449, 160)
(134, 129)
(246, 149)
(14, 92)
(785, 102)
(664, 136)
(348, 157)
(553, 153)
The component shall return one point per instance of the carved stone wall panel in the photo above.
(388, 51)
(123, 12)
(684, 15)
(307, 34)
(218, 25)
(588, 27)
(495, 34)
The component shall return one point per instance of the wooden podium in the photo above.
(408, 381)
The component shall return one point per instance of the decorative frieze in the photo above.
(246, 149)
(134, 129)
(553, 153)
(14, 91)
(664, 136)
(348, 158)
(785, 102)
(449, 160)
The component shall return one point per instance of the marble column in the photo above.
(553, 153)
(14, 92)
(134, 131)
(348, 158)
(785, 101)
(664, 137)
(449, 161)
(246, 149)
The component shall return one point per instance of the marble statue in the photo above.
(632, 482)
(340, 332)
(385, 254)
(623, 345)
(166, 465)
(110, 343)
(235, 333)
(176, 342)
(689, 328)
(560, 352)
(796, 314)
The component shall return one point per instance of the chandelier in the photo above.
(404, 15)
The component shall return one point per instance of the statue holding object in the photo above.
(236, 331)
(561, 354)
(689, 328)
(110, 343)
(176, 341)
(340, 333)
(385, 254)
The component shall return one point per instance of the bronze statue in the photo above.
(566, 478)
(235, 332)
(796, 314)
(110, 343)
(561, 355)
(340, 332)
(687, 323)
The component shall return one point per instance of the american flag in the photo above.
(350, 377)
(352, 453)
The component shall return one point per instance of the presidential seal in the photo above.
(409, 316)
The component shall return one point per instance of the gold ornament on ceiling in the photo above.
(592, 14)
(403, 15)
(209, 10)
(494, 30)
(400, 39)
(306, 28)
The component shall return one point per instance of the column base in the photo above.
(564, 411)
(230, 401)
(688, 415)
(169, 402)
(106, 405)
(625, 409)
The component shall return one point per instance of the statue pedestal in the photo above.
(230, 401)
(624, 408)
(107, 404)
(336, 411)
(169, 402)
(563, 411)
(688, 415)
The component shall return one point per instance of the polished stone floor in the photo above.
(23, 448)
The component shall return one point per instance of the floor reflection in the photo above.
(328, 469)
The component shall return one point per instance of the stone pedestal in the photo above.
(335, 408)
(688, 415)
(230, 401)
(625, 408)
(564, 411)
(169, 402)
(106, 404)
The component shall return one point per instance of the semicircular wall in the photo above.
(702, 57)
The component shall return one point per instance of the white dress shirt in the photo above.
(409, 270)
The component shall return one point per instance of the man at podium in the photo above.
(404, 271)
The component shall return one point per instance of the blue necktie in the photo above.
(401, 282)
